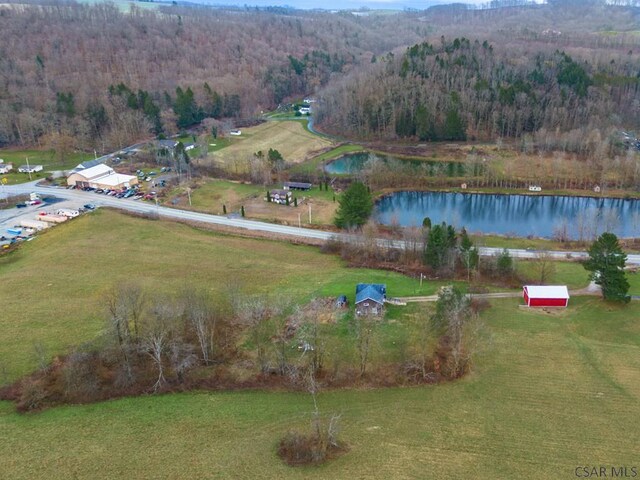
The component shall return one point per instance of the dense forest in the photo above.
(96, 77)
(107, 77)
(548, 84)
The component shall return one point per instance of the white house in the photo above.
(6, 167)
(235, 133)
(30, 168)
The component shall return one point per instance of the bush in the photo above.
(297, 449)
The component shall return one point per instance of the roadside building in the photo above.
(546, 296)
(5, 167)
(101, 176)
(280, 196)
(30, 168)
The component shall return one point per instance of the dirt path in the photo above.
(591, 289)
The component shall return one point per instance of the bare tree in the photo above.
(365, 327)
(544, 267)
(156, 337)
(201, 316)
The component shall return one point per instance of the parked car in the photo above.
(90, 206)
(21, 205)
(99, 190)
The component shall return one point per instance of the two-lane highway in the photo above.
(139, 206)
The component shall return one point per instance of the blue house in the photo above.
(370, 298)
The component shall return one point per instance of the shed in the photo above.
(370, 298)
(546, 296)
(342, 301)
(297, 186)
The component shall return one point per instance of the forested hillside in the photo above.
(508, 82)
(58, 62)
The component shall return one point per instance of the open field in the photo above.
(290, 138)
(571, 274)
(211, 195)
(53, 286)
(552, 391)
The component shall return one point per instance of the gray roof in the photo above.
(371, 291)
(88, 164)
(302, 185)
(167, 143)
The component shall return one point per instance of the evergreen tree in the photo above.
(242, 211)
(355, 206)
(186, 109)
(224, 209)
(426, 222)
(453, 126)
(504, 263)
(440, 241)
(606, 264)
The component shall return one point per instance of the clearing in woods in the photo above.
(290, 138)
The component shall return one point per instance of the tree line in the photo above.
(460, 88)
(66, 77)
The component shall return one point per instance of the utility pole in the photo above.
(309, 213)
(299, 222)
(189, 194)
(28, 169)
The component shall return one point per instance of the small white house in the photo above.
(6, 167)
(535, 188)
(30, 168)
(235, 133)
(305, 110)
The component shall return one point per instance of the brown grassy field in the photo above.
(290, 138)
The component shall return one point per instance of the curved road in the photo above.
(138, 206)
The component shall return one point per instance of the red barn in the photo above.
(546, 296)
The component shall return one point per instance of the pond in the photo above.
(354, 162)
(516, 215)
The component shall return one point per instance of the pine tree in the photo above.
(504, 263)
(606, 264)
(242, 211)
(224, 209)
(440, 241)
(355, 206)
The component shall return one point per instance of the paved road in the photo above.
(173, 213)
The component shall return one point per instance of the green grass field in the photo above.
(37, 157)
(549, 393)
(53, 286)
(550, 390)
(571, 274)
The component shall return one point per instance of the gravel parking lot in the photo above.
(11, 217)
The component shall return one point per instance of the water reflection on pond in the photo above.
(519, 215)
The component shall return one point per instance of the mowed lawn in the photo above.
(53, 287)
(290, 138)
(550, 392)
